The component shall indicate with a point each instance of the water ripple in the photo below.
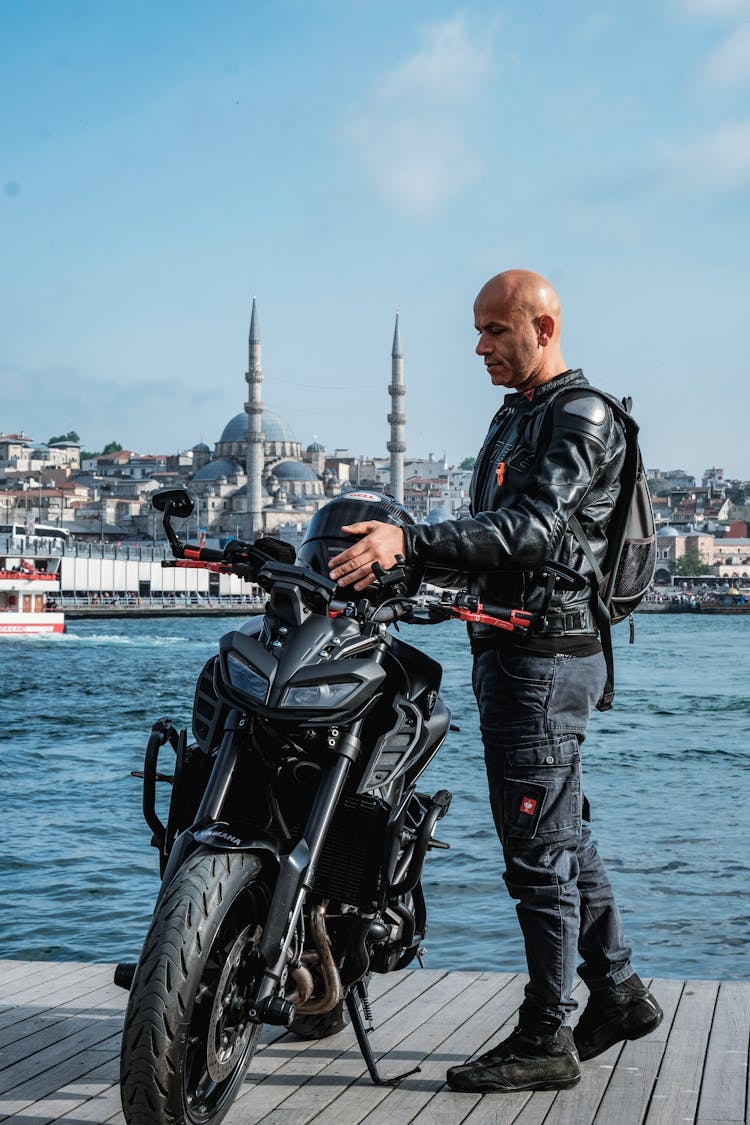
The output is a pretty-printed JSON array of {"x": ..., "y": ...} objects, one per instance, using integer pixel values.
[{"x": 665, "y": 771}]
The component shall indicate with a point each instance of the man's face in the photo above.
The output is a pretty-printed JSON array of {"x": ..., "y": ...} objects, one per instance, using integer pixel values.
[{"x": 508, "y": 340}]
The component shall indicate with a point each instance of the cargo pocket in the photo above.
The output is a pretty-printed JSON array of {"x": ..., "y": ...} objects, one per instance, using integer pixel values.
[
  {"x": 524, "y": 805},
  {"x": 542, "y": 792}
]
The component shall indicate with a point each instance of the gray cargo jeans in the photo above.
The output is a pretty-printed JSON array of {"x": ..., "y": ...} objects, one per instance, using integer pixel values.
[{"x": 533, "y": 712}]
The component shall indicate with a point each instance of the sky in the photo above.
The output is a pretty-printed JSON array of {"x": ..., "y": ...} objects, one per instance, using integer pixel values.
[{"x": 344, "y": 159}]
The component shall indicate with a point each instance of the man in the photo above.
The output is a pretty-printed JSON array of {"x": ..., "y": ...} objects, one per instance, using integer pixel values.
[{"x": 553, "y": 449}]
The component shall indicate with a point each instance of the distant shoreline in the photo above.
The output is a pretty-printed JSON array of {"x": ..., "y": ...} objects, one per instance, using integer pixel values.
[
  {"x": 103, "y": 612},
  {"x": 74, "y": 613}
]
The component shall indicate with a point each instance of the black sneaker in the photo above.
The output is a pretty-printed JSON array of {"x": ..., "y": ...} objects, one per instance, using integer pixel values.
[
  {"x": 526, "y": 1060},
  {"x": 624, "y": 1011}
]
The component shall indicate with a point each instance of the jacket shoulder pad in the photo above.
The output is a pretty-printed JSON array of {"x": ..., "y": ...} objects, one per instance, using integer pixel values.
[{"x": 585, "y": 406}]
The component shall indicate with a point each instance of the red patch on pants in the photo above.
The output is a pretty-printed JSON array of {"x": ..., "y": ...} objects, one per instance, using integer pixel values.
[{"x": 528, "y": 804}]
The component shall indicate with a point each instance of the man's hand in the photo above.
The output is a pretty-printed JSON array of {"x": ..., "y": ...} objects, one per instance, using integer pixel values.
[{"x": 381, "y": 543}]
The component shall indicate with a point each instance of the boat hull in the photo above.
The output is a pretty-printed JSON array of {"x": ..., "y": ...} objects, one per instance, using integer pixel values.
[{"x": 19, "y": 624}]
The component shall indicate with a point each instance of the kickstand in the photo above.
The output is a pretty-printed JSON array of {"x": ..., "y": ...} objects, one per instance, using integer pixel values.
[{"x": 353, "y": 997}]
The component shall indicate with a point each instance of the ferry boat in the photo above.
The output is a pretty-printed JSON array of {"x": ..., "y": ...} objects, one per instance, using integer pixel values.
[{"x": 27, "y": 596}]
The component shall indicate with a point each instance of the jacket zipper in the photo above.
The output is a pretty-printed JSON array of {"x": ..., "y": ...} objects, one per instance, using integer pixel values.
[{"x": 499, "y": 451}]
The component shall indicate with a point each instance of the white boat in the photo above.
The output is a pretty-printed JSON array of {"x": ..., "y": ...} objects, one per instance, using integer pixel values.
[{"x": 27, "y": 596}]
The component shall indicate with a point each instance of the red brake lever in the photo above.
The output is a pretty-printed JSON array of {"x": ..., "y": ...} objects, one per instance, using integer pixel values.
[{"x": 519, "y": 620}]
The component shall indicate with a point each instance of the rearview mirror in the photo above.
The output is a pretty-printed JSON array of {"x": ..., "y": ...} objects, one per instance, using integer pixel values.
[{"x": 181, "y": 502}]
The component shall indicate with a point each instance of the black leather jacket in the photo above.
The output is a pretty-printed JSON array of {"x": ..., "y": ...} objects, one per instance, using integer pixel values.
[{"x": 562, "y": 453}]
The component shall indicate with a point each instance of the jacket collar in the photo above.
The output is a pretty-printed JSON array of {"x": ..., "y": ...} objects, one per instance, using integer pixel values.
[{"x": 572, "y": 378}]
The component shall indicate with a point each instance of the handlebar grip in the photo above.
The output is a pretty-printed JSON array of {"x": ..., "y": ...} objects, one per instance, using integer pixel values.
[
  {"x": 203, "y": 554},
  {"x": 501, "y": 611},
  {"x": 392, "y": 611}
]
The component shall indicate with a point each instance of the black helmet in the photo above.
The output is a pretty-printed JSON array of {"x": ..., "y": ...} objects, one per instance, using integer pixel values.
[{"x": 324, "y": 537}]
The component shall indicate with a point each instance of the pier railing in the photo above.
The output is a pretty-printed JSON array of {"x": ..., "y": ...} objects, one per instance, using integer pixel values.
[{"x": 157, "y": 599}]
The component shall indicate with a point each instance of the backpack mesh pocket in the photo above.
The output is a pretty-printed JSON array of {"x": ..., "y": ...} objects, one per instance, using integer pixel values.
[{"x": 634, "y": 574}]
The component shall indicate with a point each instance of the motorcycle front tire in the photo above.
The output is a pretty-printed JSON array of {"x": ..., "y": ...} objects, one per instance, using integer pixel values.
[{"x": 188, "y": 1041}]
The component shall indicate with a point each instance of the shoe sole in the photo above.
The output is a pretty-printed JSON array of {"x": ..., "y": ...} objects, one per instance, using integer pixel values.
[
  {"x": 609, "y": 1036},
  {"x": 489, "y": 1087}
]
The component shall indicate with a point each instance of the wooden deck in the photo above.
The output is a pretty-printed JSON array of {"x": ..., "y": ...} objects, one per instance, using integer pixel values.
[{"x": 60, "y": 1030}]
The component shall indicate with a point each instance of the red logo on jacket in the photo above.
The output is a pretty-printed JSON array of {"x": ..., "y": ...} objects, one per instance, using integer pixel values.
[{"x": 528, "y": 804}]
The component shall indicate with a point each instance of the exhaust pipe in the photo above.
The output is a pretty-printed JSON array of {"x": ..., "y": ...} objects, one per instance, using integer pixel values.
[{"x": 333, "y": 991}]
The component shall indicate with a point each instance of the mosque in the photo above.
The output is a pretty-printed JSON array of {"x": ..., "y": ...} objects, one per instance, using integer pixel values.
[{"x": 259, "y": 479}]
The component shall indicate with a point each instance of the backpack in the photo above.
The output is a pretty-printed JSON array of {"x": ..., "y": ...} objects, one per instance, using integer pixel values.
[{"x": 627, "y": 570}]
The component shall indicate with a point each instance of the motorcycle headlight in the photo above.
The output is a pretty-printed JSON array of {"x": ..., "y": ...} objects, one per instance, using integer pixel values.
[
  {"x": 326, "y": 696},
  {"x": 245, "y": 679}
]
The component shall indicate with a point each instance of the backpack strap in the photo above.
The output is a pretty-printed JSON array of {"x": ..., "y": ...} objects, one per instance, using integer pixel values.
[
  {"x": 601, "y": 614},
  {"x": 601, "y": 585}
]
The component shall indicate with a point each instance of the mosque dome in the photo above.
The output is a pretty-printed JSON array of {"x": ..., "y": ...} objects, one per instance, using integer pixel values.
[
  {"x": 668, "y": 531},
  {"x": 216, "y": 470},
  {"x": 315, "y": 447},
  {"x": 201, "y": 447},
  {"x": 273, "y": 426},
  {"x": 293, "y": 470}
]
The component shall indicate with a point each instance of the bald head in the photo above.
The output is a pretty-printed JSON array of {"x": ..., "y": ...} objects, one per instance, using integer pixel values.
[
  {"x": 525, "y": 290},
  {"x": 517, "y": 315}
]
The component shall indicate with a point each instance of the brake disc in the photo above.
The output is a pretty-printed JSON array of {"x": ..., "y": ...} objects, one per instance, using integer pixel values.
[{"x": 229, "y": 1028}]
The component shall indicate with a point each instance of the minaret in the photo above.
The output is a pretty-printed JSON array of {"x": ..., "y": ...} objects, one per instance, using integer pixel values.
[
  {"x": 254, "y": 410},
  {"x": 397, "y": 420}
]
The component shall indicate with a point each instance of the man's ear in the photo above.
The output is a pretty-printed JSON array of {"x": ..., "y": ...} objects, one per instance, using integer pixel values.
[{"x": 545, "y": 330}]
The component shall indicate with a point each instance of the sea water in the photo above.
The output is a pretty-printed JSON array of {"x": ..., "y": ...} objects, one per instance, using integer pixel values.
[{"x": 665, "y": 771}]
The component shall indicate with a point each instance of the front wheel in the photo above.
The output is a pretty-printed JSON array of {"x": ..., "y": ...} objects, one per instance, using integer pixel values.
[{"x": 188, "y": 1040}]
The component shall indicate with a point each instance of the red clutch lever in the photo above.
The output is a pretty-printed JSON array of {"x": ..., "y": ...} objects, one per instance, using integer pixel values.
[{"x": 518, "y": 620}]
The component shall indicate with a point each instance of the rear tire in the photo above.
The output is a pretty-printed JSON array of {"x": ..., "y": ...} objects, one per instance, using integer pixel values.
[{"x": 187, "y": 1041}]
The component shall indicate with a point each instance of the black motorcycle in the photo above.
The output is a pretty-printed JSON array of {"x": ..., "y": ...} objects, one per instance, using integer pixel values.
[{"x": 292, "y": 854}]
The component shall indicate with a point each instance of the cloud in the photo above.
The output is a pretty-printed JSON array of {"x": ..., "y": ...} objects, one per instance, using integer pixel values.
[
  {"x": 410, "y": 132},
  {"x": 718, "y": 159},
  {"x": 729, "y": 64}
]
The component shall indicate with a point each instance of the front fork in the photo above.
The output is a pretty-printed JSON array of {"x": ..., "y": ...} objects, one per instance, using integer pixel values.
[
  {"x": 296, "y": 869},
  {"x": 296, "y": 877}
]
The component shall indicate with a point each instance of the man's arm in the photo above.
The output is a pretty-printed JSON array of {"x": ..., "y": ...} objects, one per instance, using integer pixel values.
[{"x": 519, "y": 536}]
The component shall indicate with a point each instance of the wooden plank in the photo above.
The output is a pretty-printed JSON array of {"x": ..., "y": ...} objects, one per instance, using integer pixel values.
[
  {"x": 313, "y": 1101},
  {"x": 479, "y": 1015},
  {"x": 46, "y": 994},
  {"x": 62, "y": 1062},
  {"x": 631, "y": 1083},
  {"x": 393, "y": 991},
  {"x": 33, "y": 972},
  {"x": 93, "y": 1098},
  {"x": 271, "y": 1085},
  {"x": 97, "y": 1097},
  {"x": 450, "y": 1108},
  {"x": 37, "y": 1035},
  {"x": 10, "y": 971},
  {"x": 723, "y": 1091},
  {"x": 85, "y": 1033},
  {"x": 336, "y": 1062},
  {"x": 27, "y": 1026},
  {"x": 89, "y": 1057},
  {"x": 675, "y": 1096}
]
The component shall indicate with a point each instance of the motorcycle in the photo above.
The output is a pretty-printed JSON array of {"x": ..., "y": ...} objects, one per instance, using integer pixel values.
[{"x": 292, "y": 854}]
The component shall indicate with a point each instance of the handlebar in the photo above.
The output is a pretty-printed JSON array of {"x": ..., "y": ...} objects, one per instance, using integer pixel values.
[
  {"x": 271, "y": 562},
  {"x": 202, "y": 554},
  {"x": 432, "y": 610}
]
